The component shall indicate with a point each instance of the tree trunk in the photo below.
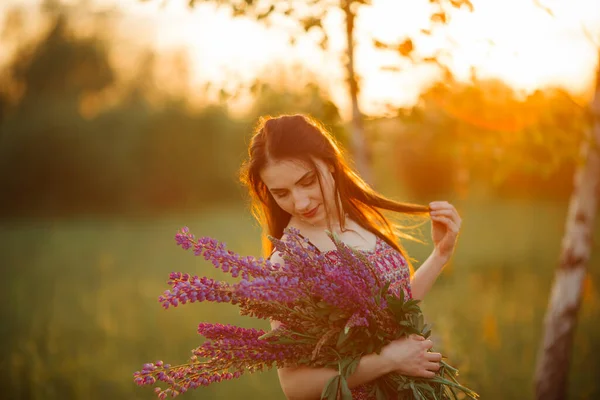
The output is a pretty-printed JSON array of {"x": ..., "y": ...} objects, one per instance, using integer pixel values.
[
  {"x": 359, "y": 144},
  {"x": 555, "y": 353}
]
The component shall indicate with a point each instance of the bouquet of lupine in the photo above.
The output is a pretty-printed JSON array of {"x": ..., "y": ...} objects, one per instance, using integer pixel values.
[{"x": 331, "y": 314}]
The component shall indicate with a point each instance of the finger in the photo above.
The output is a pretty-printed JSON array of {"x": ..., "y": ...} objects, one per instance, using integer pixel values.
[
  {"x": 434, "y": 357},
  {"x": 445, "y": 206},
  {"x": 447, "y": 213},
  {"x": 428, "y": 374},
  {"x": 451, "y": 213},
  {"x": 446, "y": 221},
  {"x": 416, "y": 337},
  {"x": 455, "y": 215},
  {"x": 433, "y": 366},
  {"x": 428, "y": 344},
  {"x": 438, "y": 205},
  {"x": 451, "y": 225},
  {"x": 435, "y": 205}
]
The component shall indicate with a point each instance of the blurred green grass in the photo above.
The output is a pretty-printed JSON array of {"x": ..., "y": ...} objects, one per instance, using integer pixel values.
[{"x": 81, "y": 314}]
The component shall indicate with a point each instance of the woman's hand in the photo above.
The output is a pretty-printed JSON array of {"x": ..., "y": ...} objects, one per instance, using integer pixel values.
[
  {"x": 445, "y": 226},
  {"x": 410, "y": 356}
]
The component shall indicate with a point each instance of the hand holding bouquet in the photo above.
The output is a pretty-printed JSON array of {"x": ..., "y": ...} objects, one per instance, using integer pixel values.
[{"x": 331, "y": 314}]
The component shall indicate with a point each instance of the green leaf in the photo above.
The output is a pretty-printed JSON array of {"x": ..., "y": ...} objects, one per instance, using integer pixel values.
[
  {"x": 342, "y": 338},
  {"x": 348, "y": 366},
  {"x": 449, "y": 367},
  {"x": 386, "y": 287},
  {"x": 331, "y": 388},
  {"x": 426, "y": 332},
  {"x": 337, "y": 315},
  {"x": 395, "y": 305},
  {"x": 428, "y": 388},
  {"x": 415, "y": 391},
  {"x": 411, "y": 303},
  {"x": 346, "y": 393}
]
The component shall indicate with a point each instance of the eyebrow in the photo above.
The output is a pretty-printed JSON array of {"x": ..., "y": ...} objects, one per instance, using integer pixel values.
[{"x": 297, "y": 182}]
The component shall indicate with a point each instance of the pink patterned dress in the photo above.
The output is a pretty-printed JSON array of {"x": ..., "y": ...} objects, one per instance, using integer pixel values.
[
  {"x": 391, "y": 264},
  {"x": 393, "y": 267}
]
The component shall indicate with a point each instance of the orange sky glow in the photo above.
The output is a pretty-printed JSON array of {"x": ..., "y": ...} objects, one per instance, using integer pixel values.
[{"x": 513, "y": 40}]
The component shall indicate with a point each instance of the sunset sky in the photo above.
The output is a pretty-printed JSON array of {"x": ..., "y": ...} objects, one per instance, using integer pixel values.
[{"x": 510, "y": 39}]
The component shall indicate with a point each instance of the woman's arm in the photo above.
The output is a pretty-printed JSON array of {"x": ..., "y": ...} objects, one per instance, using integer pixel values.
[
  {"x": 426, "y": 275},
  {"x": 305, "y": 383},
  {"x": 445, "y": 225},
  {"x": 408, "y": 356}
]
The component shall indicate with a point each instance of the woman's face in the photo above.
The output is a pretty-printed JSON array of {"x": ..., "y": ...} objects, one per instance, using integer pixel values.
[{"x": 295, "y": 187}]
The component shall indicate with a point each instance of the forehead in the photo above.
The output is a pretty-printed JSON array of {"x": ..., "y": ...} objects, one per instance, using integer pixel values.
[{"x": 284, "y": 173}]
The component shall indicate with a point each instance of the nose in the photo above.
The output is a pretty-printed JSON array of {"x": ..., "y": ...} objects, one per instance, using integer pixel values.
[{"x": 301, "y": 202}]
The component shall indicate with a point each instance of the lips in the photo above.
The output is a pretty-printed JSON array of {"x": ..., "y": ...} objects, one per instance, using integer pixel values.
[{"x": 311, "y": 213}]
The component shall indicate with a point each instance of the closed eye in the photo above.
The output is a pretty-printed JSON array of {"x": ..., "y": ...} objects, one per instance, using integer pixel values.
[
  {"x": 311, "y": 181},
  {"x": 307, "y": 180}
]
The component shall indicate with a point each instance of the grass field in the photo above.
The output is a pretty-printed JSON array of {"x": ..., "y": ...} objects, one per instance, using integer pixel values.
[{"x": 80, "y": 311}]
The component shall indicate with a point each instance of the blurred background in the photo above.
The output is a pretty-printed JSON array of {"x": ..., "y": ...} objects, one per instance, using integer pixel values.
[{"x": 122, "y": 121}]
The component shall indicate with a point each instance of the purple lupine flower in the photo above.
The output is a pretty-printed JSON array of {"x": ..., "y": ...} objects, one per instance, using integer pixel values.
[
  {"x": 230, "y": 351},
  {"x": 357, "y": 319},
  {"x": 184, "y": 238},
  {"x": 321, "y": 277},
  {"x": 226, "y": 260},
  {"x": 314, "y": 297},
  {"x": 235, "y": 343},
  {"x": 366, "y": 280},
  {"x": 271, "y": 288},
  {"x": 307, "y": 272},
  {"x": 191, "y": 289}
]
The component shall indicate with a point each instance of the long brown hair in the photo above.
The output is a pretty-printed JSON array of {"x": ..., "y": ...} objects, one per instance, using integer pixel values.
[{"x": 301, "y": 137}]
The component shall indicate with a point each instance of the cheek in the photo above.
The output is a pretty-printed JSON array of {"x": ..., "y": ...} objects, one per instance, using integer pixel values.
[{"x": 315, "y": 193}]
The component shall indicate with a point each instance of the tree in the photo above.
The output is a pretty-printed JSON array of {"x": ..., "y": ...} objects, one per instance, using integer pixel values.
[
  {"x": 309, "y": 15},
  {"x": 554, "y": 354},
  {"x": 565, "y": 298}
]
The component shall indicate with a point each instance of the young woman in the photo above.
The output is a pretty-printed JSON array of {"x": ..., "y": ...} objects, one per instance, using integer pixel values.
[{"x": 297, "y": 177}]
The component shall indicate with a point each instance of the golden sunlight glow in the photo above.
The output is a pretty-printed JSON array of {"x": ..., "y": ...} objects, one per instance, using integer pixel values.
[{"x": 513, "y": 40}]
